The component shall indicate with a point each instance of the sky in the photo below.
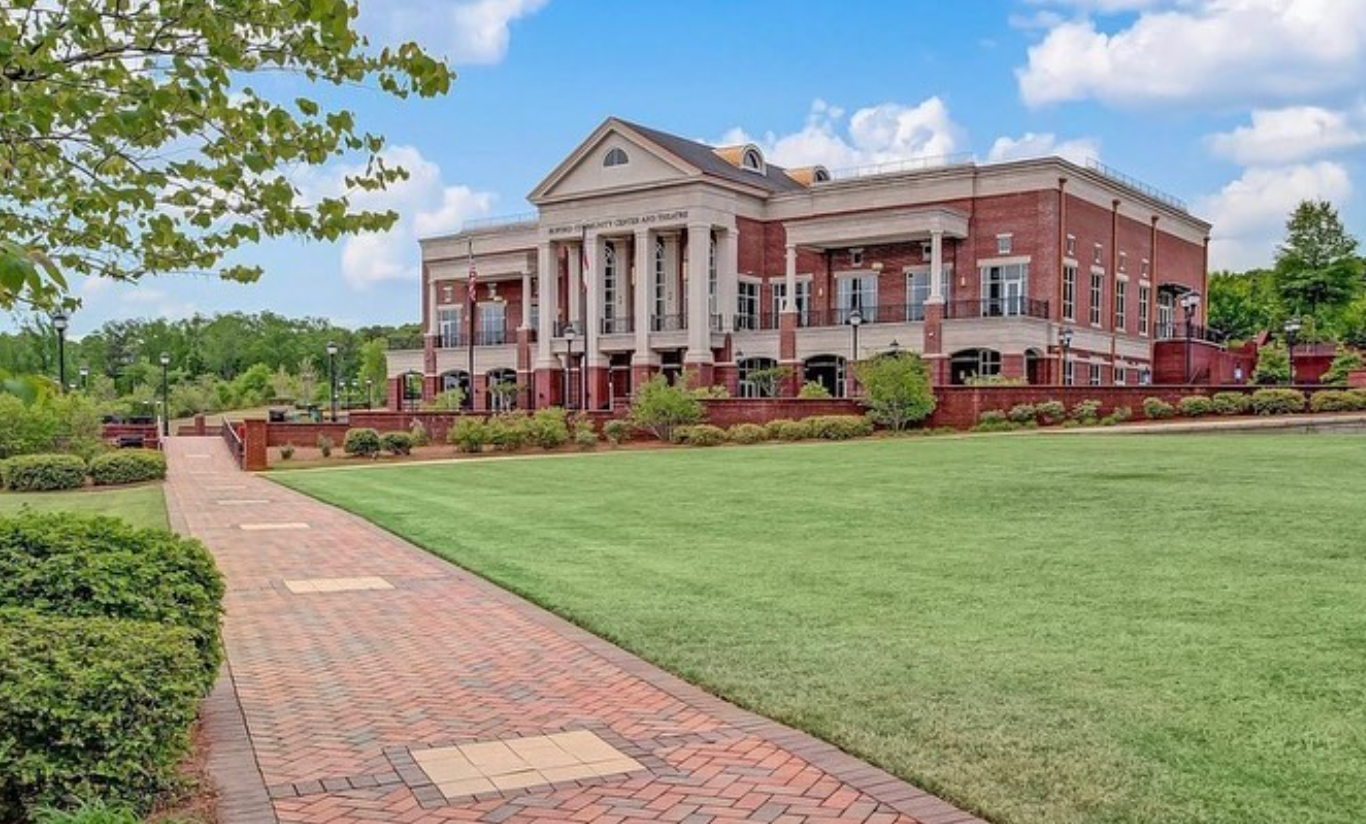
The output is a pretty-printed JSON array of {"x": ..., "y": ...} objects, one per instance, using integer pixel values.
[{"x": 1240, "y": 107}]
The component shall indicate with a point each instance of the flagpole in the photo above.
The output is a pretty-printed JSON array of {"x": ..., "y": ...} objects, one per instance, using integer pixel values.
[
  {"x": 583, "y": 318},
  {"x": 470, "y": 298}
]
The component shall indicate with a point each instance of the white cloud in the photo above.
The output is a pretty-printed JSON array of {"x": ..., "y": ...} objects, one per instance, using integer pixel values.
[
  {"x": 1031, "y": 144},
  {"x": 1249, "y": 213},
  {"x": 467, "y": 32},
  {"x": 125, "y": 299},
  {"x": 424, "y": 203},
  {"x": 1292, "y": 134},
  {"x": 1240, "y": 52},
  {"x": 884, "y": 133}
]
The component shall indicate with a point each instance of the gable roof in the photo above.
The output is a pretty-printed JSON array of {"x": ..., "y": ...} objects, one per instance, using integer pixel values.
[{"x": 704, "y": 157}]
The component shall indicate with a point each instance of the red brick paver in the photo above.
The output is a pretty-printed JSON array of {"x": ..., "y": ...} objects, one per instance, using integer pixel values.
[{"x": 338, "y": 689}]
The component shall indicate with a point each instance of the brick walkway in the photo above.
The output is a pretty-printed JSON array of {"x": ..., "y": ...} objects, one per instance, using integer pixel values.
[{"x": 343, "y": 685}]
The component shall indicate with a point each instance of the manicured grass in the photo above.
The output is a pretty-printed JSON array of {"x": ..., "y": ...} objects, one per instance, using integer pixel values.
[
  {"x": 142, "y": 506},
  {"x": 1041, "y": 629}
]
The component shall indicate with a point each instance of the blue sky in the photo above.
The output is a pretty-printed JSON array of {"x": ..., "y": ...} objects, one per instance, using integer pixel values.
[{"x": 1241, "y": 107}]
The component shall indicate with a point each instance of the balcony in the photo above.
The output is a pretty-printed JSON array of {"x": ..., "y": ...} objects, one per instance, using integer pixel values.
[
  {"x": 1177, "y": 331},
  {"x": 618, "y": 326},
  {"x": 1016, "y": 307},
  {"x": 668, "y": 323}
]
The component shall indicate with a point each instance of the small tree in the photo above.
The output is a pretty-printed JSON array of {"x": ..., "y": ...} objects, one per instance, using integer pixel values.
[
  {"x": 1273, "y": 366},
  {"x": 659, "y": 407},
  {"x": 452, "y": 400},
  {"x": 1345, "y": 361},
  {"x": 813, "y": 390},
  {"x": 767, "y": 382},
  {"x": 896, "y": 389}
]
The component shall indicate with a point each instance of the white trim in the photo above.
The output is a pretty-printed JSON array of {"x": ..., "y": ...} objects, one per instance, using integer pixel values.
[
  {"x": 1097, "y": 270},
  {"x": 1004, "y": 261}
]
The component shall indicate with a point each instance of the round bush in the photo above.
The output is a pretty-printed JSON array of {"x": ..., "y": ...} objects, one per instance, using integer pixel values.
[
  {"x": 127, "y": 466},
  {"x": 363, "y": 442},
  {"x": 1023, "y": 412},
  {"x": 1086, "y": 412},
  {"x": 616, "y": 431},
  {"x": 585, "y": 436},
  {"x": 1277, "y": 401},
  {"x": 702, "y": 434},
  {"x": 1231, "y": 403},
  {"x": 1051, "y": 412},
  {"x": 1156, "y": 409},
  {"x": 994, "y": 420},
  {"x": 548, "y": 428},
  {"x": 396, "y": 443},
  {"x": 788, "y": 430},
  {"x": 469, "y": 434},
  {"x": 839, "y": 427},
  {"x": 747, "y": 433},
  {"x": 1195, "y": 406},
  {"x": 507, "y": 433},
  {"x": 44, "y": 473}
]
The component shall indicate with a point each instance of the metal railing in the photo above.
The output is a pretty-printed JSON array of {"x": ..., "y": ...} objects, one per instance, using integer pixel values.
[
  {"x": 235, "y": 445},
  {"x": 754, "y": 323},
  {"x": 1017, "y": 307},
  {"x": 618, "y": 326},
  {"x": 498, "y": 221},
  {"x": 493, "y": 337},
  {"x": 1177, "y": 331},
  {"x": 911, "y": 165},
  {"x": 1135, "y": 184},
  {"x": 406, "y": 342},
  {"x": 668, "y": 323}
]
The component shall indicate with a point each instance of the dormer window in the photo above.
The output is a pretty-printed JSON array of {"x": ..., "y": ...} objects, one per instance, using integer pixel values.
[
  {"x": 821, "y": 175},
  {"x": 615, "y": 157},
  {"x": 752, "y": 160}
]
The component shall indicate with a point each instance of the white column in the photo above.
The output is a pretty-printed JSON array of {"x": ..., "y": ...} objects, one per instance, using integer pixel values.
[
  {"x": 728, "y": 260},
  {"x": 643, "y": 294},
  {"x": 936, "y": 267},
  {"x": 593, "y": 302},
  {"x": 699, "y": 322},
  {"x": 790, "y": 299},
  {"x": 432, "y": 327},
  {"x": 548, "y": 283},
  {"x": 575, "y": 284},
  {"x": 526, "y": 300}
]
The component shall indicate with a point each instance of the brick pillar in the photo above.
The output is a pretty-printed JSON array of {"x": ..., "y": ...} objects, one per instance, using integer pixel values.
[
  {"x": 393, "y": 398},
  {"x": 255, "y": 457},
  {"x": 525, "y": 390},
  {"x": 199, "y": 425},
  {"x": 700, "y": 375},
  {"x": 729, "y": 377},
  {"x": 932, "y": 347},
  {"x": 641, "y": 374},
  {"x": 787, "y": 353},
  {"x": 1013, "y": 366},
  {"x": 546, "y": 384},
  {"x": 430, "y": 387}
]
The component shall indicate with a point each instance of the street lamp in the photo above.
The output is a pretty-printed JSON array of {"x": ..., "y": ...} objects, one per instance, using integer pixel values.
[
  {"x": 1065, "y": 340},
  {"x": 895, "y": 349},
  {"x": 1292, "y": 330},
  {"x": 165, "y": 403},
  {"x": 1189, "y": 302},
  {"x": 85, "y": 377},
  {"x": 59, "y": 322},
  {"x": 855, "y": 321},
  {"x": 568, "y": 361},
  {"x": 369, "y": 392},
  {"x": 332, "y": 377}
]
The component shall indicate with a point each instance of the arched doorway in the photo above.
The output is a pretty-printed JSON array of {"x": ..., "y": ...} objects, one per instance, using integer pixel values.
[
  {"x": 1035, "y": 367},
  {"x": 458, "y": 379},
  {"x": 969, "y": 363},
  {"x": 758, "y": 378},
  {"x": 501, "y": 390},
  {"x": 828, "y": 371}
]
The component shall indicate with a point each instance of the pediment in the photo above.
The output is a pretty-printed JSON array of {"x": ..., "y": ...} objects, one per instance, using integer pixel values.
[{"x": 586, "y": 172}]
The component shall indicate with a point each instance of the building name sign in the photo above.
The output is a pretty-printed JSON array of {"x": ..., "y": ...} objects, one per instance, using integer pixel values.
[{"x": 629, "y": 221}]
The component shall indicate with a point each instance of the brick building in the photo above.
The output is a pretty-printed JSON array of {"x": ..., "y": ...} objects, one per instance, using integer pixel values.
[{"x": 649, "y": 252}]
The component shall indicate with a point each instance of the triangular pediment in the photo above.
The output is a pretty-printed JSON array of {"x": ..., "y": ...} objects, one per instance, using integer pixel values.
[{"x": 587, "y": 170}]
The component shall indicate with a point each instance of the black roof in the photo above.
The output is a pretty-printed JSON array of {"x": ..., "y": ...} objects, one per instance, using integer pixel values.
[{"x": 704, "y": 157}]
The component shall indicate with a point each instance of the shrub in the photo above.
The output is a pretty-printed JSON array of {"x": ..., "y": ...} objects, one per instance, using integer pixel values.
[
  {"x": 1335, "y": 400},
  {"x": 1273, "y": 366},
  {"x": 702, "y": 434},
  {"x": 396, "y": 443},
  {"x": 1023, "y": 413},
  {"x": 1086, "y": 412},
  {"x": 287, "y": 452},
  {"x": 362, "y": 441},
  {"x": 419, "y": 434},
  {"x": 1345, "y": 361},
  {"x": 658, "y": 407},
  {"x": 1051, "y": 412},
  {"x": 127, "y": 466},
  {"x": 813, "y": 389},
  {"x": 62, "y": 565},
  {"x": 507, "y": 432},
  {"x": 747, "y": 433},
  {"x": 89, "y": 812},
  {"x": 1277, "y": 401},
  {"x": 451, "y": 400},
  {"x": 1120, "y": 414},
  {"x": 469, "y": 434},
  {"x": 616, "y": 432},
  {"x": 1195, "y": 406},
  {"x": 1231, "y": 403},
  {"x": 548, "y": 429},
  {"x": 994, "y": 420},
  {"x": 896, "y": 390},
  {"x": 788, "y": 430},
  {"x": 92, "y": 707},
  {"x": 44, "y": 473},
  {"x": 585, "y": 436},
  {"x": 993, "y": 380},
  {"x": 839, "y": 427},
  {"x": 325, "y": 445},
  {"x": 1156, "y": 409}
]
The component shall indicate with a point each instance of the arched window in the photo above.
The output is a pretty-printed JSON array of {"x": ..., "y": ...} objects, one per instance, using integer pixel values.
[
  {"x": 759, "y": 378},
  {"x": 615, "y": 157},
  {"x": 711, "y": 275},
  {"x": 610, "y": 287},
  {"x": 822, "y": 175},
  {"x": 752, "y": 160}
]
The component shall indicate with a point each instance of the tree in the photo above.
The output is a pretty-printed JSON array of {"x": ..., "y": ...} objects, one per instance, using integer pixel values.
[
  {"x": 133, "y": 142},
  {"x": 659, "y": 407},
  {"x": 374, "y": 363},
  {"x": 1317, "y": 271},
  {"x": 1273, "y": 366},
  {"x": 769, "y": 380},
  {"x": 1345, "y": 361},
  {"x": 1241, "y": 304},
  {"x": 896, "y": 389}
]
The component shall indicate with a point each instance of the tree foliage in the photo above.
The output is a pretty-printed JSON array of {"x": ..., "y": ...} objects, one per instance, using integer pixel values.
[
  {"x": 1318, "y": 274},
  {"x": 133, "y": 141},
  {"x": 1241, "y": 304},
  {"x": 896, "y": 389},
  {"x": 660, "y": 407}
]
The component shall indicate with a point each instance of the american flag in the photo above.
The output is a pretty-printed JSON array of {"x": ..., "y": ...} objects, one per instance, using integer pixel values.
[
  {"x": 584, "y": 259},
  {"x": 474, "y": 278}
]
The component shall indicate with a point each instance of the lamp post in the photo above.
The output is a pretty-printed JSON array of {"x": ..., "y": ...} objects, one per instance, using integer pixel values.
[
  {"x": 165, "y": 395},
  {"x": 1292, "y": 330},
  {"x": 1065, "y": 340},
  {"x": 59, "y": 322},
  {"x": 85, "y": 378},
  {"x": 569, "y": 333},
  {"x": 895, "y": 348},
  {"x": 1189, "y": 302},
  {"x": 332, "y": 377},
  {"x": 369, "y": 392},
  {"x": 855, "y": 321}
]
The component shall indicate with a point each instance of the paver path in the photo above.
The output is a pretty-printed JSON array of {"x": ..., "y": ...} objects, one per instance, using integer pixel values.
[{"x": 353, "y": 654}]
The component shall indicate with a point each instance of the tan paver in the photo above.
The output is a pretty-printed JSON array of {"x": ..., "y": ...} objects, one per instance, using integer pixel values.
[{"x": 443, "y": 698}]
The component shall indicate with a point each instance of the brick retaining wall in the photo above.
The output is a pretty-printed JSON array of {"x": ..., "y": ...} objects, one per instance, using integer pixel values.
[{"x": 961, "y": 406}]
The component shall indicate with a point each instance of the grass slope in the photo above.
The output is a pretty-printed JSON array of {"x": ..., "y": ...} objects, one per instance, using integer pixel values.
[
  {"x": 141, "y": 506},
  {"x": 1042, "y": 629}
]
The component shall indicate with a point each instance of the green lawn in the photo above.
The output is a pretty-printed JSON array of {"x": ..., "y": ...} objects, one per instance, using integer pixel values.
[
  {"x": 1042, "y": 629},
  {"x": 142, "y": 506}
]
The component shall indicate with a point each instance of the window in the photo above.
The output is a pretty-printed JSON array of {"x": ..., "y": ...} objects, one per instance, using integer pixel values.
[
  {"x": 1003, "y": 244},
  {"x": 1143, "y": 267},
  {"x": 855, "y": 257},
  {"x": 711, "y": 275},
  {"x": 615, "y": 157},
  {"x": 918, "y": 291},
  {"x": 535, "y": 315},
  {"x": 757, "y": 378},
  {"x": 1072, "y": 246},
  {"x": 493, "y": 323},
  {"x": 1123, "y": 262},
  {"x": 1144, "y": 293},
  {"x": 1166, "y": 315},
  {"x": 1121, "y": 296},
  {"x": 856, "y": 293},
  {"x": 988, "y": 362},
  {"x": 747, "y": 305},
  {"x": 611, "y": 285},
  {"x": 448, "y": 326},
  {"x": 1093, "y": 376},
  {"x": 1068, "y": 373},
  {"x": 1004, "y": 289},
  {"x": 1097, "y": 294},
  {"x": 1096, "y": 256},
  {"x": 447, "y": 292},
  {"x": 1069, "y": 292},
  {"x": 660, "y": 288},
  {"x": 803, "y": 298},
  {"x": 1121, "y": 376},
  {"x": 752, "y": 161}
]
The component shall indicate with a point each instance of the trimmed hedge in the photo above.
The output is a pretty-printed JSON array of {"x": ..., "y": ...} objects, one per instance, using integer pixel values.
[
  {"x": 1232, "y": 403},
  {"x": 128, "y": 466},
  {"x": 1023, "y": 413},
  {"x": 839, "y": 427},
  {"x": 701, "y": 434},
  {"x": 548, "y": 428},
  {"x": 1338, "y": 400},
  {"x": 92, "y": 707},
  {"x": 469, "y": 434},
  {"x": 363, "y": 442},
  {"x": 1156, "y": 409},
  {"x": 788, "y": 430},
  {"x": 1051, "y": 412},
  {"x": 1196, "y": 406},
  {"x": 747, "y": 433},
  {"x": 1086, "y": 412},
  {"x": 44, "y": 473},
  {"x": 506, "y": 433},
  {"x": 1277, "y": 401},
  {"x": 396, "y": 443}
]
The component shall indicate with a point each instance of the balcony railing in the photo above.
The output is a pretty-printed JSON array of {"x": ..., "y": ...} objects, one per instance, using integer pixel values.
[
  {"x": 668, "y": 323},
  {"x": 1016, "y": 307},
  {"x": 618, "y": 326},
  {"x": 1177, "y": 331},
  {"x": 493, "y": 337},
  {"x": 403, "y": 342}
]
